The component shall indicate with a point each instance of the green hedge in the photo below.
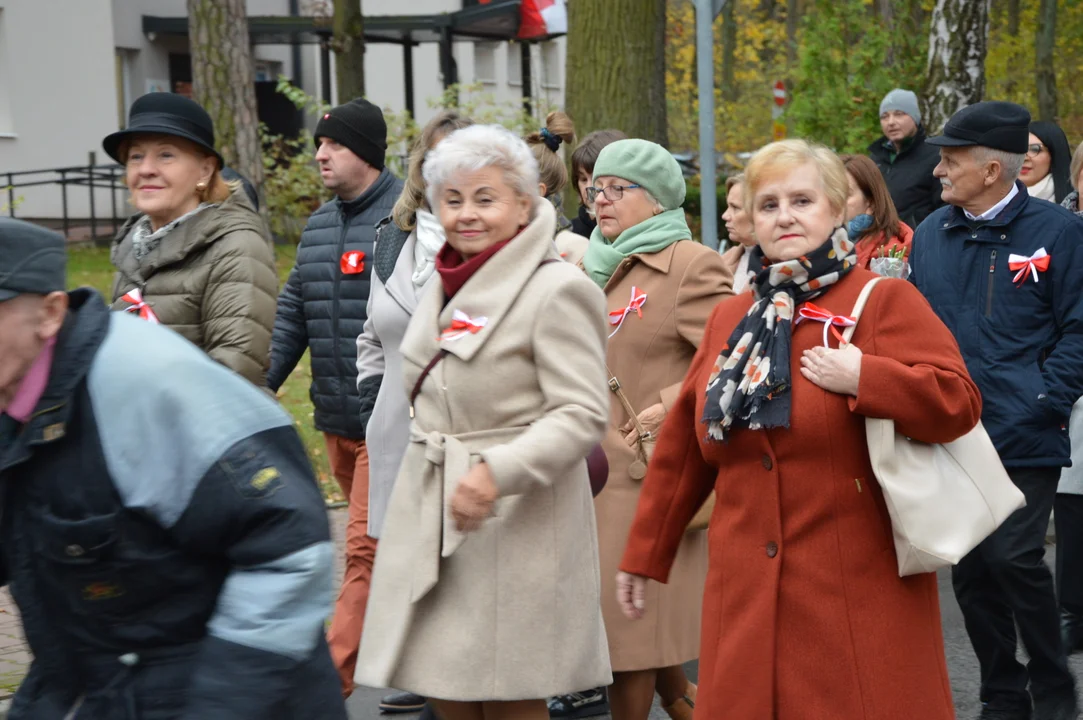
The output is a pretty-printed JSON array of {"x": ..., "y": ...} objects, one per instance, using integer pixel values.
[{"x": 693, "y": 207}]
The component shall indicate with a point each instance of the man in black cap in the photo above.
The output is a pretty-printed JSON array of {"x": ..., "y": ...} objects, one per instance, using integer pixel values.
[
  {"x": 163, "y": 534},
  {"x": 322, "y": 309},
  {"x": 1005, "y": 273}
]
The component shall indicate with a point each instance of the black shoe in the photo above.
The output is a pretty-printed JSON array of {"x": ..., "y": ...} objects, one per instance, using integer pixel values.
[
  {"x": 1064, "y": 708},
  {"x": 401, "y": 702},
  {"x": 1005, "y": 711},
  {"x": 588, "y": 703},
  {"x": 1071, "y": 631}
]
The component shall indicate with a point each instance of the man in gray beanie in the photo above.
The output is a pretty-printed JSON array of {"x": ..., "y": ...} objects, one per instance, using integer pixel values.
[{"x": 904, "y": 159}]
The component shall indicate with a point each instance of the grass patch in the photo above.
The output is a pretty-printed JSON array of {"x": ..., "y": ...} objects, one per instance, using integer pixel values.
[{"x": 90, "y": 266}]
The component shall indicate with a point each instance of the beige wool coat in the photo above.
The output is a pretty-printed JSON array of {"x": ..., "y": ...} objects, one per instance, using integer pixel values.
[
  {"x": 512, "y": 610},
  {"x": 650, "y": 355}
]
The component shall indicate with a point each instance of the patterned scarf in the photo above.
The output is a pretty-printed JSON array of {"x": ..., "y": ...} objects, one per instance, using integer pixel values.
[
  {"x": 145, "y": 239},
  {"x": 750, "y": 384},
  {"x": 563, "y": 223}
]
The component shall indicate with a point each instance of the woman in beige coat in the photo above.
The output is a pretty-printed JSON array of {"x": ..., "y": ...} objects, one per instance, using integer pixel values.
[
  {"x": 485, "y": 596},
  {"x": 660, "y": 288}
]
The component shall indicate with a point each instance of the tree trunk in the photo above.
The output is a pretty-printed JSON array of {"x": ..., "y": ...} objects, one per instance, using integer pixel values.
[
  {"x": 223, "y": 81},
  {"x": 729, "y": 50},
  {"x": 885, "y": 11},
  {"x": 793, "y": 24},
  {"x": 348, "y": 43},
  {"x": 616, "y": 76},
  {"x": 958, "y": 36},
  {"x": 1013, "y": 18},
  {"x": 1046, "y": 39}
]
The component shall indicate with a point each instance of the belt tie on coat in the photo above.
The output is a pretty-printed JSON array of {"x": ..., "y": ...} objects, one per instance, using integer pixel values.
[{"x": 447, "y": 459}]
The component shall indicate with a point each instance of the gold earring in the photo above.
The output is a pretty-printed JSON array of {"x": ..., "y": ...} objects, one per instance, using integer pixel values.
[{"x": 201, "y": 186}]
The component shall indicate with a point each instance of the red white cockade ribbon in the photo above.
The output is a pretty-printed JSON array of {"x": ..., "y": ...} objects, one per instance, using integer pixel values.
[
  {"x": 139, "y": 306},
  {"x": 811, "y": 311},
  {"x": 635, "y": 305},
  {"x": 1028, "y": 265},
  {"x": 462, "y": 325}
]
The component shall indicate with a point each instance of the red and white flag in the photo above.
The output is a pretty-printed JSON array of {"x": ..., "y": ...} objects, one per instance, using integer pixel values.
[{"x": 542, "y": 18}]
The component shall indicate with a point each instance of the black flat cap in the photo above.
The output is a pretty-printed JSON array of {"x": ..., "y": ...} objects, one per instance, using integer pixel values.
[
  {"x": 992, "y": 124},
  {"x": 32, "y": 259},
  {"x": 163, "y": 113}
]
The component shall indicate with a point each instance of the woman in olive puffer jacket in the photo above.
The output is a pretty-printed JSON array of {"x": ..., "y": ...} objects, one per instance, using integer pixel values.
[{"x": 196, "y": 258}]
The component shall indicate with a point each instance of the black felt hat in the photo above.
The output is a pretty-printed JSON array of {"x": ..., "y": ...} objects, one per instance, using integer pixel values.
[
  {"x": 163, "y": 113},
  {"x": 992, "y": 124}
]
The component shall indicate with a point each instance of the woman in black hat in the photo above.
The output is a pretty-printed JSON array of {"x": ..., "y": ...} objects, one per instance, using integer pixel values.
[
  {"x": 1046, "y": 169},
  {"x": 196, "y": 256}
]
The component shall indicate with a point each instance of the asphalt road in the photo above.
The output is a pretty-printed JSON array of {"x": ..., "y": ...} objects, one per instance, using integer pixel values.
[{"x": 962, "y": 664}]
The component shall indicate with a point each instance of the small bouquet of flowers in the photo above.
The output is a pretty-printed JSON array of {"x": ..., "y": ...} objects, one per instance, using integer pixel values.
[{"x": 891, "y": 262}]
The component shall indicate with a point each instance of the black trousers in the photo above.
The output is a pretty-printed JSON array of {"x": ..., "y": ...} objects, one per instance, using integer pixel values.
[
  {"x": 1068, "y": 516},
  {"x": 1005, "y": 582}
]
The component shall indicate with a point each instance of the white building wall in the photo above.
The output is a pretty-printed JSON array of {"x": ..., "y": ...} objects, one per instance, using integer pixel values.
[{"x": 58, "y": 82}]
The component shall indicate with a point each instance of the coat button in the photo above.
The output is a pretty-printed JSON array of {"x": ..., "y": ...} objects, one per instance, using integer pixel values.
[
  {"x": 767, "y": 464},
  {"x": 74, "y": 550},
  {"x": 772, "y": 549},
  {"x": 974, "y": 235}
]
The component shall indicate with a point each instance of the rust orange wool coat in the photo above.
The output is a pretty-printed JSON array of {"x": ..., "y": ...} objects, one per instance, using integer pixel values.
[{"x": 804, "y": 614}]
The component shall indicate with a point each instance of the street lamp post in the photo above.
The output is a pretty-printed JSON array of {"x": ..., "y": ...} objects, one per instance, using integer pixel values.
[{"x": 706, "y": 11}]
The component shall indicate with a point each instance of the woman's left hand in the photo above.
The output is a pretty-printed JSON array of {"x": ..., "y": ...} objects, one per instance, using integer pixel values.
[
  {"x": 473, "y": 500},
  {"x": 837, "y": 371},
  {"x": 651, "y": 419}
]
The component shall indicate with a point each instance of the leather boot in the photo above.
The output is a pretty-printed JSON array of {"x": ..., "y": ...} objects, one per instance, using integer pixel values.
[
  {"x": 682, "y": 709},
  {"x": 1071, "y": 631}
]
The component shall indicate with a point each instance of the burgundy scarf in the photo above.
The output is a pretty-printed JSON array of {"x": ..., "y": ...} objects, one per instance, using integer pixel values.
[{"x": 455, "y": 271}]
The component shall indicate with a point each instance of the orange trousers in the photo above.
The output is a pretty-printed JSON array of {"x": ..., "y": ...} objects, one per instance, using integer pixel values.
[{"x": 350, "y": 466}]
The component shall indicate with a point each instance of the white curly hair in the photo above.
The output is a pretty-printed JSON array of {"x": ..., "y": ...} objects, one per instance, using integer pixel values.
[{"x": 477, "y": 147}]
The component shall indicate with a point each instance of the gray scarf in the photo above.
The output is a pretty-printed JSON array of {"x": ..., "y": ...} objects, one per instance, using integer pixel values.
[{"x": 145, "y": 240}]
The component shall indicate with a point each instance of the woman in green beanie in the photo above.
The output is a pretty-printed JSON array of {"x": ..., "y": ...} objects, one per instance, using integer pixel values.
[{"x": 660, "y": 288}]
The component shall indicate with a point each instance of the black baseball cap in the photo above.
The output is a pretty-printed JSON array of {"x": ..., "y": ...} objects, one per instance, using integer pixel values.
[
  {"x": 993, "y": 124},
  {"x": 162, "y": 113},
  {"x": 33, "y": 259}
]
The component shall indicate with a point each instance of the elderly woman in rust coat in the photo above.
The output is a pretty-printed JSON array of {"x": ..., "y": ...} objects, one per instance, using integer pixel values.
[
  {"x": 804, "y": 614},
  {"x": 660, "y": 287}
]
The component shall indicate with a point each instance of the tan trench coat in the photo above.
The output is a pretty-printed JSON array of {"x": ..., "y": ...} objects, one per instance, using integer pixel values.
[
  {"x": 512, "y": 611},
  {"x": 650, "y": 355}
]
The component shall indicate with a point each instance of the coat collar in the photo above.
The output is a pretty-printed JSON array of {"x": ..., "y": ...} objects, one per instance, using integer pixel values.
[
  {"x": 957, "y": 218},
  {"x": 349, "y": 208},
  {"x": 489, "y": 294},
  {"x": 400, "y": 284},
  {"x": 660, "y": 261},
  {"x": 196, "y": 233},
  {"x": 82, "y": 334}
]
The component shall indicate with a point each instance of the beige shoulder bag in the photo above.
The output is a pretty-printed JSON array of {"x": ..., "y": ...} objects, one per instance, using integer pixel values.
[
  {"x": 943, "y": 499},
  {"x": 645, "y": 448}
]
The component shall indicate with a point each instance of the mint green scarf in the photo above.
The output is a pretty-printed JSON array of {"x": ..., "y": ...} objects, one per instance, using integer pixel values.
[{"x": 650, "y": 236}]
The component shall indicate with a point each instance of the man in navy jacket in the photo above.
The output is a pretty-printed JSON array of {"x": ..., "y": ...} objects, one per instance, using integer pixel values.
[
  {"x": 162, "y": 532},
  {"x": 1004, "y": 271}
]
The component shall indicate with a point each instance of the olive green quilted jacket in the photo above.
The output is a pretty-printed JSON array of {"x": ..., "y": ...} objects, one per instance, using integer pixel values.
[{"x": 212, "y": 279}]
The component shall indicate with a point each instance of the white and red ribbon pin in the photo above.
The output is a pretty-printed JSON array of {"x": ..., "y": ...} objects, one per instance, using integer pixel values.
[
  {"x": 462, "y": 325},
  {"x": 1038, "y": 262},
  {"x": 811, "y": 311},
  {"x": 352, "y": 262},
  {"x": 635, "y": 305},
  {"x": 139, "y": 306}
]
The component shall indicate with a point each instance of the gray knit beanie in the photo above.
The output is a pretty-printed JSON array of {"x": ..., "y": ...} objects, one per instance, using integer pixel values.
[{"x": 904, "y": 100}]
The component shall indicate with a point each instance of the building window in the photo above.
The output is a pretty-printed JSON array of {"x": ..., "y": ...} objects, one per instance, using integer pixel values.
[
  {"x": 515, "y": 64},
  {"x": 7, "y": 119},
  {"x": 485, "y": 62},
  {"x": 550, "y": 70}
]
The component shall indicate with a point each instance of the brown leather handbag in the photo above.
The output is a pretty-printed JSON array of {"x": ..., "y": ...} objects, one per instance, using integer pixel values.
[{"x": 645, "y": 448}]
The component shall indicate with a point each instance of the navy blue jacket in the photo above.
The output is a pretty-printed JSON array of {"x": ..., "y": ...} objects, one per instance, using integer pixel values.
[
  {"x": 323, "y": 310},
  {"x": 163, "y": 537},
  {"x": 1022, "y": 340}
]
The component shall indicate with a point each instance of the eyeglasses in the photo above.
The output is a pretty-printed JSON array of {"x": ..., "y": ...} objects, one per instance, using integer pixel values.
[
  {"x": 1035, "y": 150},
  {"x": 612, "y": 193}
]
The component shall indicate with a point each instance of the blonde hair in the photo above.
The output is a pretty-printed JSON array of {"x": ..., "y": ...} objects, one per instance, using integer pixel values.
[
  {"x": 734, "y": 180},
  {"x": 785, "y": 155},
  {"x": 404, "y": 214},
  {"x": 551, "y": 167}
]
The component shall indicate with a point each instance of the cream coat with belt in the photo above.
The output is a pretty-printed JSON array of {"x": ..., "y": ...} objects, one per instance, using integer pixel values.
[{"x": 511, "y": 611}]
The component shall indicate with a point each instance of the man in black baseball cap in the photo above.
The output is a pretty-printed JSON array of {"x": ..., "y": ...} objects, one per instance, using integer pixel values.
[
  {"x": 164, "y": 536},
  {"x": 1004, "y": 271},
  {"x": 32, "y": 305}
]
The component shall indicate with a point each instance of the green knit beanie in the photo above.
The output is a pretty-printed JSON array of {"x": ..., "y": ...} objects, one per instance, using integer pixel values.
[{"x": 646, "y": 164}]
